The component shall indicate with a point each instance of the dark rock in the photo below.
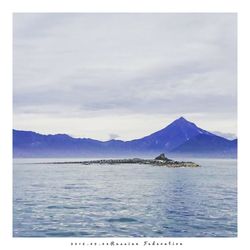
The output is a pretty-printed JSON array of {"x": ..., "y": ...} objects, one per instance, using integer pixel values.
[{"x": 162, "y": 157}]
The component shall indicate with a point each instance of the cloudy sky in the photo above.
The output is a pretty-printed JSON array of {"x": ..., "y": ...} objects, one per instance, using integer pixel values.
[{"x": 124, "y": 75}]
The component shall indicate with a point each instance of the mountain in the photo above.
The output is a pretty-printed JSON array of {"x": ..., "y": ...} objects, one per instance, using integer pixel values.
[
  {"x": 31, "y": 144},
  {"x": 179, "y": 137},
  {"x": 206, "y": 145},
  {"x": 169, "y": 137}
]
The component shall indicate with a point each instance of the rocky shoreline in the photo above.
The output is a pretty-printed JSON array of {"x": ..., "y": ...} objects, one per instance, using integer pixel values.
[{"x": 160, "y": 160}]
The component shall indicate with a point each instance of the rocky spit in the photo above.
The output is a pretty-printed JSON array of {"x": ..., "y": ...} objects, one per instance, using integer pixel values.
[{"x": 160, "y": 160}]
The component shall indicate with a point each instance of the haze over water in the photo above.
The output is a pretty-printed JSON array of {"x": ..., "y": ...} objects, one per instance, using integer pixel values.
[{"x": 125, "y": 200}]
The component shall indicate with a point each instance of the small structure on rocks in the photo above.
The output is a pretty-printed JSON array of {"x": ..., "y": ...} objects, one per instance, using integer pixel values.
[{"x": 162, "y": 157}]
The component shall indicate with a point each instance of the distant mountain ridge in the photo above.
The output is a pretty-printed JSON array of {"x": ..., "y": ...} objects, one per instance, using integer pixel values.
[{"x": 179, "y": 137}]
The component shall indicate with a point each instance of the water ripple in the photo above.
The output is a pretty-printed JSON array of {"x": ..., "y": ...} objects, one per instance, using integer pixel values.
[
  {"x": 125, "y": 201},
  {"x": 124, "y": 219}
]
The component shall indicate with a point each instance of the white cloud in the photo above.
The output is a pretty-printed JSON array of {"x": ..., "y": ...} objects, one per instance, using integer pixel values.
[{"x": 94, "y": 66}]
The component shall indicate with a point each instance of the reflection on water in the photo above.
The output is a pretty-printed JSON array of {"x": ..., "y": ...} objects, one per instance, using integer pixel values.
[{"x": 125, "y": 200}]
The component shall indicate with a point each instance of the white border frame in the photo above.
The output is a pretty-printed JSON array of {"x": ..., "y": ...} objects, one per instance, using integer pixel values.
[{"x": 6, "y": 11}]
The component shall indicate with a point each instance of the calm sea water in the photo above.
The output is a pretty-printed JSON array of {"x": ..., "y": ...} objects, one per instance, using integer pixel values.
[{"x": 124, "y": 200}]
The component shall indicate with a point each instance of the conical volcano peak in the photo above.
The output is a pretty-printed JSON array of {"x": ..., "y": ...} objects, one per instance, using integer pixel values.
[
  {"x": 186, "y": 127},
  {"x": 175, "y": 134},
  {"x": 181, "y": 120}
]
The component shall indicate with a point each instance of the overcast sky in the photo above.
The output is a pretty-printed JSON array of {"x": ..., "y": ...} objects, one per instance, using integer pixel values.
[{"x": 124, "y": 75}]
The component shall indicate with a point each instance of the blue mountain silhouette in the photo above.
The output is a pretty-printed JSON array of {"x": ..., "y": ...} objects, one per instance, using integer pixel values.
[{"x": 179, "y": 137}]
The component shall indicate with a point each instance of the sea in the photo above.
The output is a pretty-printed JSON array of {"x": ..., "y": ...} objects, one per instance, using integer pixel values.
[{"x": 74, "y": 200}]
